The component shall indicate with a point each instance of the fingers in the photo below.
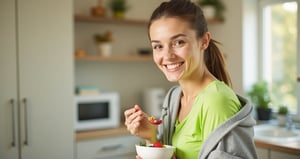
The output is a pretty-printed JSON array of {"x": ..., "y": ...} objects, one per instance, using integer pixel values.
[
  {"x": 134, "y": 126},
  {"x": 132, "y": 115},
  {"x": 138, "y": 157},
  {"x": 133, "y": 118},
  {"x": 129, "y": 112}
]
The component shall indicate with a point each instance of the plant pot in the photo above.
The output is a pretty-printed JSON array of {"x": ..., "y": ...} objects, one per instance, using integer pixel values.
[
  {"x": 105, "y": 49},
  {"x": 264, "y": 113},
  {"x": 281, "y": 119},
  {"x": 119, "y": 14}
]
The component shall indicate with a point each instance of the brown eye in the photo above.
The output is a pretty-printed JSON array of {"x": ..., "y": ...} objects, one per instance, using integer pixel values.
[
  {"x": 178, "y": 43},
  {"x": 157, "y": 47}
]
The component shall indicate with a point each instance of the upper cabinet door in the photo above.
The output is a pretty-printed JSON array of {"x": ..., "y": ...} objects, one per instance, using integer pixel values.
[
  {"x": 8, "y": 84},
  {"x": 45, "y": 42}
]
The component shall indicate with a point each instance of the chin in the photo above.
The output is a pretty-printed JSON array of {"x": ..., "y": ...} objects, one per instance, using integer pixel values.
[{"x": 172, "y": 79}]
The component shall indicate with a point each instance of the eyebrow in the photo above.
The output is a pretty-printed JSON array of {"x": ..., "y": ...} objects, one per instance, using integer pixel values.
[{"x": 173, "y": 37}]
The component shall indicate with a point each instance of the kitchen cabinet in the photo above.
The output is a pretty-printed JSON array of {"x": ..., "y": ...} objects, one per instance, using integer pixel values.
[
  {"x": 262, "y": 153},
  {"x": 114, "y": 147},
  {"x": 36, "y": 69},
  {"x": 282, "y": 155}
]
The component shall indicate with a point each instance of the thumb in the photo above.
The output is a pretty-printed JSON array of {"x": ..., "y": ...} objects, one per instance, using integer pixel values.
[{"x": 137, "y": 107}]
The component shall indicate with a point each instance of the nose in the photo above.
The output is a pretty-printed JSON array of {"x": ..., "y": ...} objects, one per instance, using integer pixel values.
[{"x": 169, "y": 52}]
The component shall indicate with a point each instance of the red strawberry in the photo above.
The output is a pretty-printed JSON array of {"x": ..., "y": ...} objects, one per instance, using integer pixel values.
[
  {"x": 154, "y": 121},
  {"x": 157, "y": 144}
]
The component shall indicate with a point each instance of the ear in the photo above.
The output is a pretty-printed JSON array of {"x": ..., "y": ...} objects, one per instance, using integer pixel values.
[{"x": 205, "y": 40}]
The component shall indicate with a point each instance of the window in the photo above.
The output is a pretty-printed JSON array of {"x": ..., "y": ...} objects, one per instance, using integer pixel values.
[{"x": 279, "y": 54}]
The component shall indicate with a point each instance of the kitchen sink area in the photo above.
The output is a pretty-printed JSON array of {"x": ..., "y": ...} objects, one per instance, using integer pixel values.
[
  {"x": 274, "y": 142},
  {"x": 271, "y": 132}
]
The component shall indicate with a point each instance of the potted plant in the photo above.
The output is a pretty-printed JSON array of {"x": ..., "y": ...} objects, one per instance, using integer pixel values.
[
  {"x": 260, "y": 97},
  {"x": 104, "y": 43},
  {"x": 212, "y": 8},
  {"x": 118, "y": 7},
  {"x": 282, "y": 115}
]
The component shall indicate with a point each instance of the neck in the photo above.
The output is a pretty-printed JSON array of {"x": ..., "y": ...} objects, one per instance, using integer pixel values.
[{"x": 193, "y": 86}]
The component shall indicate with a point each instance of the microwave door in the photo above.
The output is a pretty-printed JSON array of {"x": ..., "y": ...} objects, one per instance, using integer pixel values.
[
  {"x": 93, "y": 116},
  {"x": 93, "y": 111}
]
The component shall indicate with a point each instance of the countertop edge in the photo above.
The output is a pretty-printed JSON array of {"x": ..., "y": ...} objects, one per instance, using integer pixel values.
[
  {"x": 100, "y": 133},
  {"x": 272, "y": 146}
]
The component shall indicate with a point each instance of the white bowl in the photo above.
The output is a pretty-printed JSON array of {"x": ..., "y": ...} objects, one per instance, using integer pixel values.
[{"x": 148, "y": 152}]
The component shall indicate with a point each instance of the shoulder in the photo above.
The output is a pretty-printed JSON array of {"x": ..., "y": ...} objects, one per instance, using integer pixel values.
[
  {"x": 219, "y": 92},
  {"x": 220, "y": 98}
]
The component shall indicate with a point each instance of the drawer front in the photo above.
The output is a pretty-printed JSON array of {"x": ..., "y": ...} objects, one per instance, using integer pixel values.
[
  {"x": 107, "y": 147},
  {"x": 127, "y": 156}
]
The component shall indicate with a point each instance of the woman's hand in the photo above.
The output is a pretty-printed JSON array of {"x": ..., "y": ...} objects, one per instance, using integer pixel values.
[
  {"x": 138, "y": 157},
  {"x": 137, "y": 124}
]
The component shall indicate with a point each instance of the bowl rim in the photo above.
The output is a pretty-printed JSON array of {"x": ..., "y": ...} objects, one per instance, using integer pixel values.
[{"x": 148, "y": 146}]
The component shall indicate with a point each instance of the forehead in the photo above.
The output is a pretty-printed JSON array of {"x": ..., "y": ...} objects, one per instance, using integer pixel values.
[{"x": 167, "y": 27}]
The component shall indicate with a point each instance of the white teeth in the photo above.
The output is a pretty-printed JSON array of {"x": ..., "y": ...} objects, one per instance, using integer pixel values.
[{"x": 173, "y": 66}]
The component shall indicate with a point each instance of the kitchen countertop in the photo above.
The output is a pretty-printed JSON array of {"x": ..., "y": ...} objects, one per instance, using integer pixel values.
[
  {"x": 100, "y": 133},
  {"x": 288, "y": 147}
]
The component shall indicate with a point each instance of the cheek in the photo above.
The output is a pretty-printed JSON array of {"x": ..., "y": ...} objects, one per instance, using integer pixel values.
[
  {"x": 184, "y": 52},
  {"x": 192, "y": 57},
  {"x": 156, "y": 58}
]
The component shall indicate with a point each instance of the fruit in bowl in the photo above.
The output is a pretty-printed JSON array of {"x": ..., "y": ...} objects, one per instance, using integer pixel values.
[{"x": 155, "y": 151}]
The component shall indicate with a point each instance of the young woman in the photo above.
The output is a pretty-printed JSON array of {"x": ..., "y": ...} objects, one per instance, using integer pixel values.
[{"x": 202, "y": 117}]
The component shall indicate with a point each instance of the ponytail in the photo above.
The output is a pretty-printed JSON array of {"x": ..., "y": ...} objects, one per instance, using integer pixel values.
[{"x": 215, "y": 62}]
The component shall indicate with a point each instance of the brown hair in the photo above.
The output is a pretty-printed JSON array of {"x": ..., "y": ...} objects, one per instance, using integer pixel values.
[{"x": 190, "y": 12}]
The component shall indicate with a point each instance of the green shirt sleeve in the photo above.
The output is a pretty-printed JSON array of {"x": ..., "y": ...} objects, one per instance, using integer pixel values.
[{"x": 215, "y": 110}]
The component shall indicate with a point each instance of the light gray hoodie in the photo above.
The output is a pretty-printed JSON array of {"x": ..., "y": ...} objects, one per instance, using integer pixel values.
[{"x": 231, "y": 140}]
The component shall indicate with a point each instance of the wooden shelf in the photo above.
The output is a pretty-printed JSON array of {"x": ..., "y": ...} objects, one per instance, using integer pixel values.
[
  {"x": 214, "y": 21},
  {"x": 87, "y": 18},
  {"x": 117, "y": 58}
]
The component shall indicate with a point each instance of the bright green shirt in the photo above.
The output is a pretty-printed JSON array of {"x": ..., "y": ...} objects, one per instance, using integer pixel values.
[{"x": 214, "y": 105}]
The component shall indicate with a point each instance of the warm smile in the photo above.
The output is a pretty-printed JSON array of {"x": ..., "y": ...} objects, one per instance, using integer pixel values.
[{"x": 174, "y": 66}]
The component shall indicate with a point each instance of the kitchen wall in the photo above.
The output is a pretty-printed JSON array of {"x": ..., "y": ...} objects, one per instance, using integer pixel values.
[
  {"x": 131, "y": 78},
  {"x": 229, "y": 33}
]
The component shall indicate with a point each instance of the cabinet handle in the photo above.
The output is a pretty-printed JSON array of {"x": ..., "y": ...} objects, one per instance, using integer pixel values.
[
  {"x": 111, "y": 148},
  {"x": 13, "y": 142},
  {"x": 25, "y": 122}
]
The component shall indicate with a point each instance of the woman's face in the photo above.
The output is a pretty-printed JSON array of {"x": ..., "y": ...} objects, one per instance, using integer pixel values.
[{"x": 176, "y": 48}]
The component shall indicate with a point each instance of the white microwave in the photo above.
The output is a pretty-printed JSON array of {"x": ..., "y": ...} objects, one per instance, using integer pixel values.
[{"x": 97, "y": 111}]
